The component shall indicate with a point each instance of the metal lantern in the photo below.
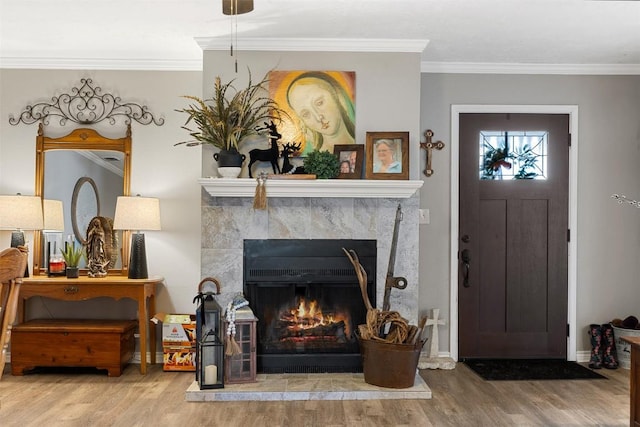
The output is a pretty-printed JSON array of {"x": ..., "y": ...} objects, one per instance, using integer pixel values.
[
  {"x": 241, "y": 368},
  {"x": 209, "y": 334}
]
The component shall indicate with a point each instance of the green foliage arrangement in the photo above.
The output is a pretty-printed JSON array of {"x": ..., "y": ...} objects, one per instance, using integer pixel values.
[
  {"x": 231, "y": 115},
  {"x": 72, "y": 255},
  {"x": 323, "y": 164}
]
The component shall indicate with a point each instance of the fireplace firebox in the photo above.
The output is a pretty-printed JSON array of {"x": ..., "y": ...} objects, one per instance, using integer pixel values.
[{"x": 308, "y": 302}]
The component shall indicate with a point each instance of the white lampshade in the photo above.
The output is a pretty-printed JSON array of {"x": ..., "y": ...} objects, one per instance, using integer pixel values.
[
  {"x": 20, "y": 213},
  {"x": 53, "y": 216},
  {"x": 137, "y": 213}
]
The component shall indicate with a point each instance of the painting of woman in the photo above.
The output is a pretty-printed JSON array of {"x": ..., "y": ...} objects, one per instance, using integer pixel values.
[{"x": 322, "y": 105}]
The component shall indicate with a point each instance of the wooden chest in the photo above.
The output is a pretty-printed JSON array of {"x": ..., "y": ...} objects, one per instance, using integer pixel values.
[{"x": 103, "y": 344}]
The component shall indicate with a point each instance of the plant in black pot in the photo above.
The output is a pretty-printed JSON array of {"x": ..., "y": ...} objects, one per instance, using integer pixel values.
[
  {"x": 228, "y": 117},
  {"x": 72, "y": 257}
]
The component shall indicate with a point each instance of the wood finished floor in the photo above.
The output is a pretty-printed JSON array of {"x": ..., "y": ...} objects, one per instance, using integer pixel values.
[{"x": 460, "y": 398}]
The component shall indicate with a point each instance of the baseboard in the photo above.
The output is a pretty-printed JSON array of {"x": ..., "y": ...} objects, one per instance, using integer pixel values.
[{"x": 583, "y": 356}]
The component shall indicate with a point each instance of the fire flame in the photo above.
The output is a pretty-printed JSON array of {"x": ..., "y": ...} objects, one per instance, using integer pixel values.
[{"x": 308, "y": 315}]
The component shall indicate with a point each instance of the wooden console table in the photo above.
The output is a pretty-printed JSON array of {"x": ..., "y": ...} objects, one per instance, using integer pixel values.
[
  {"x": 117, "y": 287},
  {"x": 634, "y": 379}
]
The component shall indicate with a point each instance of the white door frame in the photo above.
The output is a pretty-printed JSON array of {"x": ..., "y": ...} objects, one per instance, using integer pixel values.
[{"x": 572, "y": 111}]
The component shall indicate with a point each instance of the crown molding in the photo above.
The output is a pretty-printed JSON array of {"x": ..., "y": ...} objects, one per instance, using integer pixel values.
[
  {"x": 315, "y": 44},
  {"x": 43, "y": 63},
  {"x": 520, "y": 68}
]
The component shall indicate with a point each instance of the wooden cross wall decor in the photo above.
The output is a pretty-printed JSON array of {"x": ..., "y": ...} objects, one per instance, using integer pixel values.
[{"x": 429, "y": 146}]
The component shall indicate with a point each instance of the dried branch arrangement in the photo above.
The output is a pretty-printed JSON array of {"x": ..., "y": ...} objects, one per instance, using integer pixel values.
[{"x": 384, "y": 326}]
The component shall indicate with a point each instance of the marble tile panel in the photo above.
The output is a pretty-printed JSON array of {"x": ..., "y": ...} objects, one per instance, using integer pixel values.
[{"x": 227, "y": 221}]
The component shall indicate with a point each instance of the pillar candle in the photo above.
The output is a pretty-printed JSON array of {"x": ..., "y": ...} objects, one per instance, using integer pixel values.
[{"x": 210, "y": 374}]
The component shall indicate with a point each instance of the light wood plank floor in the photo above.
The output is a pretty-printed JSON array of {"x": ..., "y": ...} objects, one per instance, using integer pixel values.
[{"x": 460, "y": 398}]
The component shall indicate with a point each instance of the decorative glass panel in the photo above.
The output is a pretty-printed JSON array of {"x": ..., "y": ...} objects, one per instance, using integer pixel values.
[{"x": 513, "y": 155}]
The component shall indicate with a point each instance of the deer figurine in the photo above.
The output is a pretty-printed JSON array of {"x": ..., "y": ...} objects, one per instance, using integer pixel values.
[
  {"x": 270, "y": 154},
  {"x": 287, "y": 150}
]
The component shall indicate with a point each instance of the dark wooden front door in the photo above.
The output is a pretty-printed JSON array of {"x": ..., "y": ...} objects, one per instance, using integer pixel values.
[{"x": 513, "y": 249}]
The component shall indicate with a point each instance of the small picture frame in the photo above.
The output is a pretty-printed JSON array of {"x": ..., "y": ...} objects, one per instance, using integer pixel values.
[
  {"x": 351, "y": 157},
  {"x": 387, "y": 155}
]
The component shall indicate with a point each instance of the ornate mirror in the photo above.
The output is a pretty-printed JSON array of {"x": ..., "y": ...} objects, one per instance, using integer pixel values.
[
  {"x": 84, "y": 169},
  {"x": 87, "y": 171}
]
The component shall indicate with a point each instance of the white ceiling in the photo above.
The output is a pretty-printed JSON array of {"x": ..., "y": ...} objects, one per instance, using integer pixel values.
[{"x": 160, "y": 34}]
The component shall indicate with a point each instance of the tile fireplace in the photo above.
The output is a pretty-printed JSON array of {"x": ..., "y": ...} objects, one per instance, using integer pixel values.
[{"x": 228, "y": 219}]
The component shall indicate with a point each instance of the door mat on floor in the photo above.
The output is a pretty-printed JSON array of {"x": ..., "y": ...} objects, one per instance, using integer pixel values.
[{"x": 530, "y": 369}]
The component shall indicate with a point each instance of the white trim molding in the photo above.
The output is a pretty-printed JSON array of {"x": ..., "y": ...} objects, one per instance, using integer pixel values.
[
  {"x": 572, "y": 111},
  {"x": 150, "y": 64},
  {"x": 315, "y": 44},
  {"x": 354, "y": 188},
  {"x": 521, "y": 68}
]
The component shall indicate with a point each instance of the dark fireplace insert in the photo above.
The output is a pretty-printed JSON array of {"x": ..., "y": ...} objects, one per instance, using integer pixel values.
[{"x": 308, "y": 302}]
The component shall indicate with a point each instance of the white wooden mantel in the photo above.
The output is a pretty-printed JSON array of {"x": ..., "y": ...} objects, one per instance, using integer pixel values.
[{"x": 355, "y": 188}]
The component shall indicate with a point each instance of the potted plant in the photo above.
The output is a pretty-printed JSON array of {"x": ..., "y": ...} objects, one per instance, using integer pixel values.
[
  {"x": 72, "y": 257},
  {"x": 228, "y": 117},
  {"x": 323, "y": 164}
]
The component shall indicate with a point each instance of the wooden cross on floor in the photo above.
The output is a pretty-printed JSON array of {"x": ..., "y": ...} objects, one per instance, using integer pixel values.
[
  {"x": 429, "y": 146},
  {"x": 434, "y": 322}
]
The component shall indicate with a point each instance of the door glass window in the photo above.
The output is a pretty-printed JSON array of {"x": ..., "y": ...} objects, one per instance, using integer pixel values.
[{"x": 513, "y": 155}]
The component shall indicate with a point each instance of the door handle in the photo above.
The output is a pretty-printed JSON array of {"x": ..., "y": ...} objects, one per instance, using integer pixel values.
[{"x": 465, "y": 256}]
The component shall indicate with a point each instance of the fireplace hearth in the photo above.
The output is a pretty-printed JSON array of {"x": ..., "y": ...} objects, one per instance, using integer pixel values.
[{"x": 308, "y": 301}]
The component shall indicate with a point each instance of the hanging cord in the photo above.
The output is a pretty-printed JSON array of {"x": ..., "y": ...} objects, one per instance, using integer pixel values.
[{"x": 234, "y": 32}]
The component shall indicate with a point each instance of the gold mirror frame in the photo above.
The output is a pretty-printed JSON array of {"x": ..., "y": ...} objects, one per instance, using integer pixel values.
[{"x": 81, "y": 139}]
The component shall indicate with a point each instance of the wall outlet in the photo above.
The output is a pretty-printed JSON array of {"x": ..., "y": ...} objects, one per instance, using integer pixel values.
[{"x": 424, "y": 216}]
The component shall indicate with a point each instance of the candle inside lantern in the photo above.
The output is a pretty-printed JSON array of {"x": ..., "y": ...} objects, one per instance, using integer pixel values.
[{"x": 210, "y": 374}]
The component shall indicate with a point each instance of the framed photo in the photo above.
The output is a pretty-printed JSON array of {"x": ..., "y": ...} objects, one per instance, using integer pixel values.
[
  {"x": 387, "y": 155},
  {"x": 351, "y": 158}
]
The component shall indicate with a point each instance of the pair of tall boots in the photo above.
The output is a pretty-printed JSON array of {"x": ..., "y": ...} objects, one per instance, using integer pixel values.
[{"x": 603, "y": 347}]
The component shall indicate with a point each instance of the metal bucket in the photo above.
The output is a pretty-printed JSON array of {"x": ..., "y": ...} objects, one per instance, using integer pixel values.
[
  {"x": 389, "y": 365},
  {"x": 623, "y": 348}
]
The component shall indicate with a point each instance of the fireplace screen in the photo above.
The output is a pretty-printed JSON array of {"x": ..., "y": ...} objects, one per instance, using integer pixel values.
[{"x": 308, "y": 301}]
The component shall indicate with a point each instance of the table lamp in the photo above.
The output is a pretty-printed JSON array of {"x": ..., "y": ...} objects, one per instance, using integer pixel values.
[
  {"x": 137, "y": 213},
  {"x": 18, "y": 213},
  {"x": 53, "y": 223}
]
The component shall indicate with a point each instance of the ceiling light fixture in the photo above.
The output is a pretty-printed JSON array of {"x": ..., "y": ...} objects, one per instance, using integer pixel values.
[{"x": 234, "y": 8}]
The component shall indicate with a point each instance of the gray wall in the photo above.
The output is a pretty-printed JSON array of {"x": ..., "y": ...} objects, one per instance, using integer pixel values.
[
  {"x": 158, "y": 170},
  {"x": 387, "y": 88},
  {"x": 391, "y": 94},
  {"x": 609, "y": 153}
]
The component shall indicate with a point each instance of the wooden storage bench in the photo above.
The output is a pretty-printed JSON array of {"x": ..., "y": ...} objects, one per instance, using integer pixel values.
[{"x": 103, "y": 344}]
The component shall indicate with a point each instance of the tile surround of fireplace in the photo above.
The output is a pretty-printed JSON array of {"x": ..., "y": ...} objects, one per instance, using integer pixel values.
[{"x": 227, "y": 220}]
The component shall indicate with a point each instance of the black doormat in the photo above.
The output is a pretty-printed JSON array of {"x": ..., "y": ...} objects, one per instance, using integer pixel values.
[{"x": 530, "y": 369}]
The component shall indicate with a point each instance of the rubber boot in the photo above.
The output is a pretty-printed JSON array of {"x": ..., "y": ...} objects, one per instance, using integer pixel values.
[
  {"x": 595, "y": 332},
  {"x": 609, "y": 354}
]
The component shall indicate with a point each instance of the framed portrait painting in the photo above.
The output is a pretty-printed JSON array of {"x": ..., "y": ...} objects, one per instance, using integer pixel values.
[
  {"x": 320, "y": 107},
  {"x": 351, "y": 157},
  {"x": 387, "y": 155}
]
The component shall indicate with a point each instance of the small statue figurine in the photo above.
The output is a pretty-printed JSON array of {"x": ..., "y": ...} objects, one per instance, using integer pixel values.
[
  {"x": 270, "y": 154},
  {"x": 99, "y": 240}
]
